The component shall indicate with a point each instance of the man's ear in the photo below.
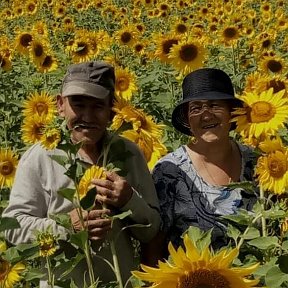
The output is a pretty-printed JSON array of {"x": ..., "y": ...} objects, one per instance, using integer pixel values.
[{"x": 60, "y": 105}]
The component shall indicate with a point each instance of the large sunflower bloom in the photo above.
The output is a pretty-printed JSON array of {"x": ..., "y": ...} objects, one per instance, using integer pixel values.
[
  {"x": 94, "y": 172},
  {"x": 263, "y": 113},
  {"x": 9, "y": 274},
  {"x": 48, "y": 64},
  {"x": 272, "y": 167},
  {"x": 187, "y": 55},
  {"x": 8, "y": 165},
  {"x": 32, "y": 129},
  {"x": 191, "y": 268},
  {"x": 125, "y": 84},
  {"x": 23, "y": 41},
  {"x": 41, "y": 104}
]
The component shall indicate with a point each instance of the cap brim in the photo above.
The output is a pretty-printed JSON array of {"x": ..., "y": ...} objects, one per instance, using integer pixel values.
[
  {"x": 84, "y": 88},
  {"x": 180, "y": 116}
]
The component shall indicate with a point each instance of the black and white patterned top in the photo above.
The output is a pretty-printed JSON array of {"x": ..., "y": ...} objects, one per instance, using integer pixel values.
[{"x": 187, "y": 200}]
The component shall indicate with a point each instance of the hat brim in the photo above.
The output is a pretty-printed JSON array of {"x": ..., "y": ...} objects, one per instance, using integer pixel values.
[
  {"x": 180, "y": 114},
  {"x": 84, "y": 88}
]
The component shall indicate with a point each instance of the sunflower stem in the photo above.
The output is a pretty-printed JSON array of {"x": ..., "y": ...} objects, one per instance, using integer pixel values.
[
  {"x": 263, "y": 220},
  {"x": 50, "y": 273},
  {"x": 247, "y": 229}
]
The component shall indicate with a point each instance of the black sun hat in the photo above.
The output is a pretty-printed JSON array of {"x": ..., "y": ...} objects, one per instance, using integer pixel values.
[{"x": 203, "y": 84}]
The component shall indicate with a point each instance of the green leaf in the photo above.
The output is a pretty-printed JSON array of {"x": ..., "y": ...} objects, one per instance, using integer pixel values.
[
  {"x": 7, "y": 223},
  {"x": 88, "y": 201},
  {"x": 246, "y": 185},
  {"x": 285, "y": 245},
  {"x": 12, "y": 255},
  {"x": 69, "y": 266},
  {"x": 79, "y": 239},
  {"x": 264, "y": 242},
  {"x": 62, "y": 219},
  {"x": 200, "y": 238},
  {"x": 28, "y": 250},
  {"x": 67, "y": 193},
  {"x": 34, "y": 274},
  {"x": 233, "y": 232},
  {"x": 60, "y": 159},
  {"x": 274, "y": 277},
  {"x": 283, "y": 263},
  {"x": 252, "y": 233},
  {"x": 122, "y": 215},
  {"x": 262, "y": 270}
]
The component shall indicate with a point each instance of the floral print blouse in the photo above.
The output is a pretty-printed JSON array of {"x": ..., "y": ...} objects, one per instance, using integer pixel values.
[{"x": 187, "y": 200}]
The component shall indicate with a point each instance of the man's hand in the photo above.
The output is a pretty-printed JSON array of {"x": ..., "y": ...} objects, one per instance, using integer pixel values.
[
  {"x": 98, "y": 226},
  {"x": 114, "y": 191}
]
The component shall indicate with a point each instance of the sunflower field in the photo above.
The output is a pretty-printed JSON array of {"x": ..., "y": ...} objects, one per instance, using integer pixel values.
[{"x": 153, "y": 44}]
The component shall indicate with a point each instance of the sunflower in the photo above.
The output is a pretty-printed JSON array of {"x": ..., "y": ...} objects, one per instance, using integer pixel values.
[
  {"x": 8, "y": 165},
  {"x": 81, "y": 49},
  {"x": 50, "y": 138},
  {"x": 23, "y": 41},
  {"x": 164, "y": 43},
  {"x": 263, "y": 113},
  {"x": 41, "y": 104},
  {"x": 229, "y": 34},
  {"x": 190, "y": 268},
  {"x": 40, "y": 28},
  {"x": 272, "y": 64},
  {"x": 125, "y": 84},
  {"x": 48, "y": 64},
  {"x": 187, "y": 55},
  {"x": 32, "y": 129},
  {"x": 180, "y": 28},
  {"x": 47, "y": 244},
  {"x": 59, "y": 10},
  {"x": 127, "y": 35},
  {"x": 37, "y": 50},
  {"x": 94, "y": 172},
  {"x": 10, "y": 274},
  {"x": 31, "y": 7},
  {"x": 140, "y": 121},
  {"x": 272, "y": 167}
]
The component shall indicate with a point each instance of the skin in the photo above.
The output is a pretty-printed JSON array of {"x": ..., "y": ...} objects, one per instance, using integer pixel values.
[{"x": 88, "y": 118}]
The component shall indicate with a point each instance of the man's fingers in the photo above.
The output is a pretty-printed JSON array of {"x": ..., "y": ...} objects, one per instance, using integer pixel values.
[{"x": 112, "y": 176}]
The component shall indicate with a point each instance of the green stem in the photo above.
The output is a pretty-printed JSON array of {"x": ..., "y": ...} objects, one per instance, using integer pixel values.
[
  {"x": 116, "y": 263},
  {"x": 247, "y": 229},
  {"x": 234, "y": 61},
  {"x": 263, "y": 220},
  {"x": 50, "y": 273}
]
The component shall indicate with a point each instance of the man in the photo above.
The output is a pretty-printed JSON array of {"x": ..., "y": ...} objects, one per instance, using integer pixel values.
[{"x": 86, "y": 104}]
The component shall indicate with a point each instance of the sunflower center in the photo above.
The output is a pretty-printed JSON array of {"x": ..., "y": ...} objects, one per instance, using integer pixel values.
[
  {"x": 167, "y": 45},
  {"x": 277, "y": 165},
  {"x": 203, "y": 278},
  {"x": 82, "y": 49},
  {"x": 266, "y": 43},
  {"x": 126, "y": 37},
  {"x": 188, "y": 52},
  {"x": 181, "y": 28},
  {"x": 230, "y": 33},
  {"x": 274, "y": 66},
  {"x": 47, "y": 61},
  {"x": 122, "y": 84},
  {"x": 25, "y": 40},
  {"x": 262, "y": 111},
  {"x": 277, "y": 85},
  {"x": 38, "y": 50},
  {"x": 4, "y": 269},
  {"x": 6, "y": 168},
  {"x": 41, "y": 108}
]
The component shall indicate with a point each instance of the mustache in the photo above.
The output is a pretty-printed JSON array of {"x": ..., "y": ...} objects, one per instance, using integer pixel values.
[{"x": 82, "y": 124}]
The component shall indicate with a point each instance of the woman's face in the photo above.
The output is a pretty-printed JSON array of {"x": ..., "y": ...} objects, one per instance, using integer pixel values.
[{"x": 209, "y": 119}]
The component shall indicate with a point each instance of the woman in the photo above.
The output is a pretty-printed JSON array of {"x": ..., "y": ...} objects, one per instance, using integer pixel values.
[{"x": 191, "y": 182}]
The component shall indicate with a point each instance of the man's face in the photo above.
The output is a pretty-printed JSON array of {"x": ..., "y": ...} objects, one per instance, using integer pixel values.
[{"x": 87, "y": 117}]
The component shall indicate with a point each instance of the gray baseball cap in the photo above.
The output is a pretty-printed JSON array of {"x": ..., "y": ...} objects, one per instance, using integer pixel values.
[{"x": 94, "y": 79}]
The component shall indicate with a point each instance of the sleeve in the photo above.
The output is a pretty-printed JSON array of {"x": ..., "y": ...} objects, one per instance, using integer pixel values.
[
  {"x": 143, "y": 203},
  {"x": 165, "y": 188},
  {"x": 29, "y": 201}
]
